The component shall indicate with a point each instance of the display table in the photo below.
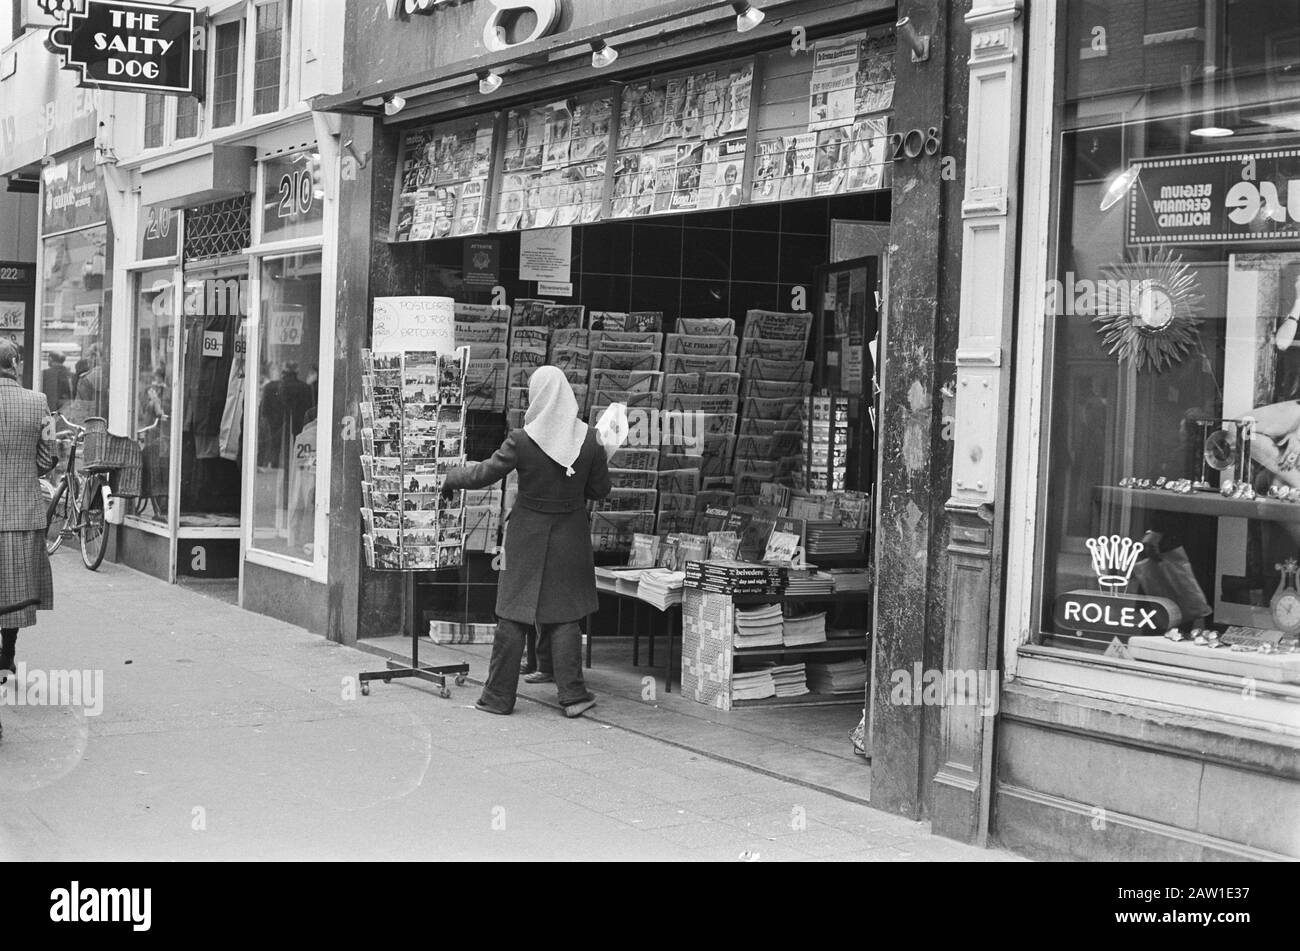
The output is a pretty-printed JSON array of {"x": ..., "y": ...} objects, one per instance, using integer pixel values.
[{"x": 624, "y": 583}]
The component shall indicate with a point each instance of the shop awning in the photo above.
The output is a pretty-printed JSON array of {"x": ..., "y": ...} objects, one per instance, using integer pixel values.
[{"x": 214, "y": 173}]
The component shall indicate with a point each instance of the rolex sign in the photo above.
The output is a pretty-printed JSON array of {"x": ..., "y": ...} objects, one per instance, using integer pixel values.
[{"x": 139, "y": 47}]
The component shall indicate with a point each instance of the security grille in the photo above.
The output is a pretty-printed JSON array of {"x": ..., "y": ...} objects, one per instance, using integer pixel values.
[{"x": 218, "y": 229}]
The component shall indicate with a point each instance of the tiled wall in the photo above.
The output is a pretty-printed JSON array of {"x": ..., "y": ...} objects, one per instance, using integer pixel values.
[{"x": 707, "y": 264}]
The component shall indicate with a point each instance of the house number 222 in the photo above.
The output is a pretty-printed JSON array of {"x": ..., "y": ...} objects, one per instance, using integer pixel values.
[{"x": 913, "y": 143}]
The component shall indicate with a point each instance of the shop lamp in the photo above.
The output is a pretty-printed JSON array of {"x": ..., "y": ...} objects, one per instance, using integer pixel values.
[
  {"x": 488, "y": 82},
  {"x": 1119, "y": 187},
  {"x": 602, "y": 54},
  {"x": 393, "y": 105},
  {"x": 1212, "y": 131},
  {"x": 748, "y": 16}
]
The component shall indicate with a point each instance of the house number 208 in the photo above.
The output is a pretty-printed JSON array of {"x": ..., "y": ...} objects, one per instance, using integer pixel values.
[{"x": 913, "y": 143}]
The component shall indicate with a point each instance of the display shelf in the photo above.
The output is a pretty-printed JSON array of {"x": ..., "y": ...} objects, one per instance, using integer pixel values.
[
  {"x": 837, "y": 597},
  {"x": 833, "y": 646},
  {"x": 857, "y": 698},
  {"x": 1202, "y": 503}
]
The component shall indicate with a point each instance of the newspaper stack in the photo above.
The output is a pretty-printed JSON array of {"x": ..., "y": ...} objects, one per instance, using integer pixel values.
[
  {"x": 661, "y": 588},
  {"x": 805, "y": 630},
  {"x": 753, "y": 684},
  {"x": 838, "y": 677},
  {"x": 758, "y": 626},
  {"x": 791, "y": 680}
]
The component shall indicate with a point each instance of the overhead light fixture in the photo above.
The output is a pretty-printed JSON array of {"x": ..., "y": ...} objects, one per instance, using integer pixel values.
[
  {"x": 602, "y": 54},
  {"x": 1119, "y": 187},
  {"x": 488, "y": 82},
  {"x": 1212, "y": 132},
  {"x": 748, "y": 16},
  {"x": 393, "y": 105}
]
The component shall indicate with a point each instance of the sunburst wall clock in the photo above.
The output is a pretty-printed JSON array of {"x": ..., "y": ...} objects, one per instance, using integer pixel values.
[{"x": 1148, "y": 309}]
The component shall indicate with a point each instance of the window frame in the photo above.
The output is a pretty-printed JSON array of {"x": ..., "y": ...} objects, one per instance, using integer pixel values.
[
  {"x": 250, "y": 41},
  {"x": 238, "y": 19}
]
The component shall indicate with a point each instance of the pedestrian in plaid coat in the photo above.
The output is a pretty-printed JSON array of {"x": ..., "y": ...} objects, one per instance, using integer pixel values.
[{"x": 24, "y": 455}]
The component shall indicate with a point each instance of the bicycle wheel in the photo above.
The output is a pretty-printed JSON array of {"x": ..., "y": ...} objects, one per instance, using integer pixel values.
[
  {"x": 56, "y": 518},
  {"x": 94, "y": 530}
]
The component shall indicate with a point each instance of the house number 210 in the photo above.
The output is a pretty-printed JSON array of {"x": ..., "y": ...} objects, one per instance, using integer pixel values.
[{"x": 914, "y": 143}]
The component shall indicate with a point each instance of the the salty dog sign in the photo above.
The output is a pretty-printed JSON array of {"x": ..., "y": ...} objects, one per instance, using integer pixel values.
[
  {"x": 139, "y": 47},
  {"x": 414, "y": 323}
]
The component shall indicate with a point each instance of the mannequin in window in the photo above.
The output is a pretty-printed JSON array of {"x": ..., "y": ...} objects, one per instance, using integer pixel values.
[{"x": 1276, "y": 442}]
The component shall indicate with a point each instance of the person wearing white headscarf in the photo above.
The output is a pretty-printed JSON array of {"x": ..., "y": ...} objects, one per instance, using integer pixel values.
[{"x": 548, "y": 577}]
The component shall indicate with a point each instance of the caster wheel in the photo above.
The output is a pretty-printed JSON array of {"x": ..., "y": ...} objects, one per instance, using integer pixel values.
[
  {"x": 460, "y": 680},
  {"x": 365, "y": 689},
  {"x": 444, "y": 693}
]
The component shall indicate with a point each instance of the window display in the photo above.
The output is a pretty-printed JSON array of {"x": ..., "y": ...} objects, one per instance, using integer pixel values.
[
  {"x": 1171, "y": 518},
  {"x": 153, "y": 346},
  {"x": 288, "y": 400}
]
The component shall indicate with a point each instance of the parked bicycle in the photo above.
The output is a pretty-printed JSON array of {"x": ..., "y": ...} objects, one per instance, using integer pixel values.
[
  {"x": 77, "y": 506},
  {"x": 153, "y": 493}
]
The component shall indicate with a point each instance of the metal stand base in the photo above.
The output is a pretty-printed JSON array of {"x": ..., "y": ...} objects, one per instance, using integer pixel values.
[{"x": 397, "y": 670}]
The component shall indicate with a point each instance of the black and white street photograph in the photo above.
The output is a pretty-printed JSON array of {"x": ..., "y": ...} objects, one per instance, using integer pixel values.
[{"x": 651, "y": 431}]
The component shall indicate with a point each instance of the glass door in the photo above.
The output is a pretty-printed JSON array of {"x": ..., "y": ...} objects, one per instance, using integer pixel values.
[{"x": 213, "y": 341}]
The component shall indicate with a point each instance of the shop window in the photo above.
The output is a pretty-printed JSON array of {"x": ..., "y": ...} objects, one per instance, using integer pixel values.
[
  {"x": 288, "y": 398},
  {"x": 153, "y": 345},
  {"x": 225, "y": 75},
  {"x": 155, "y": 110},
  {"x": 73, "y": 325},
  {"x": 268, "y": 56},
  {"x": 187, "y": 117},
  {"x": 1170, "y": 520}
]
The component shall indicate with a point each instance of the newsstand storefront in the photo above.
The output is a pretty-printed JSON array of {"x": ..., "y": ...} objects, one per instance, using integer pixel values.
[
  {"x": 689, "y": 213},
  {"x": 1154, "y": 705}
]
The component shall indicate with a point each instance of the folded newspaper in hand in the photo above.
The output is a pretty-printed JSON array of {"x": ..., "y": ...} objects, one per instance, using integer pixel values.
[{"x": 612, "y": 428}]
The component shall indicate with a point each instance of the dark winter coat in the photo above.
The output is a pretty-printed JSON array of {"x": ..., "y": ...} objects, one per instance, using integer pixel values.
[{"x": 549, "y": 575}]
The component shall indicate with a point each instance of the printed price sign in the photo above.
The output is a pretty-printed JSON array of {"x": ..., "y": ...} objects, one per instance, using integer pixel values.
[{"x": 214, "y": 343}]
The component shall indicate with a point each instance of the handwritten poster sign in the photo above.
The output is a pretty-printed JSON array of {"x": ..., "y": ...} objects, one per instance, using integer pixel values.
[
  {"x": 414, "y": 323},
  {"x": 546, "y": 254}
]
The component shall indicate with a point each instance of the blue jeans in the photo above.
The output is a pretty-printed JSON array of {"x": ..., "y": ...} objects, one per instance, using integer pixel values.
[{"x": 565, "y": 663}]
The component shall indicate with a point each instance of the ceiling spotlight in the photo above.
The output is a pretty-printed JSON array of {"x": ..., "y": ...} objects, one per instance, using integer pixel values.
[
  {"x": 1212, "y": 132},
  {"x": 748, "y": 16},
  {"x": 393, "y": 105},
  {"x": 488, "y": 82},
  {"x": 602, "y": 54}
]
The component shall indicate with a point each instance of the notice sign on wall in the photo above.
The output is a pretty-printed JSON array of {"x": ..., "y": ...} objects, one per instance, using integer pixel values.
[
  {"x": 140, "y": 47},
  {"x": 1209, "y": 199},
  {"x": 546, "y": 255}
]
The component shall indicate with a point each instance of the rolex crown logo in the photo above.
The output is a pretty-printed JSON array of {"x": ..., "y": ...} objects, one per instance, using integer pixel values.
[{"x": 1113, "y": 559}]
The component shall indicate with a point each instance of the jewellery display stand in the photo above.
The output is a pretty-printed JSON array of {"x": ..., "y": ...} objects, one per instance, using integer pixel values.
[{"x": 413, "y": 433}]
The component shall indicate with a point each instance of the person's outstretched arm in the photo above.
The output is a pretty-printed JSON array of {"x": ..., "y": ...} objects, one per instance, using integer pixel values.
[
  {"x": 598, "y": 478},
  {"x": 482, "y": 474}
]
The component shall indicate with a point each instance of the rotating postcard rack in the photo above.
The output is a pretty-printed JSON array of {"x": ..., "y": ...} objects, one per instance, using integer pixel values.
[{"x": 412, "y": 434}]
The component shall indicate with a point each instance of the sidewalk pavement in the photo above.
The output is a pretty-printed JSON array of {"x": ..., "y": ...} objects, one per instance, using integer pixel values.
[{"x": 227, "y": 735}]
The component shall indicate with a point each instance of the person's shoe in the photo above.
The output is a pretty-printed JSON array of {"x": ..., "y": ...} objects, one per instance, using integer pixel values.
[
  {"x": 537, "y": 677},
  {"x": 480, "y": 705},
  {"x": 526, "y": 668},
  {"x": 579, "y": 708}
]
